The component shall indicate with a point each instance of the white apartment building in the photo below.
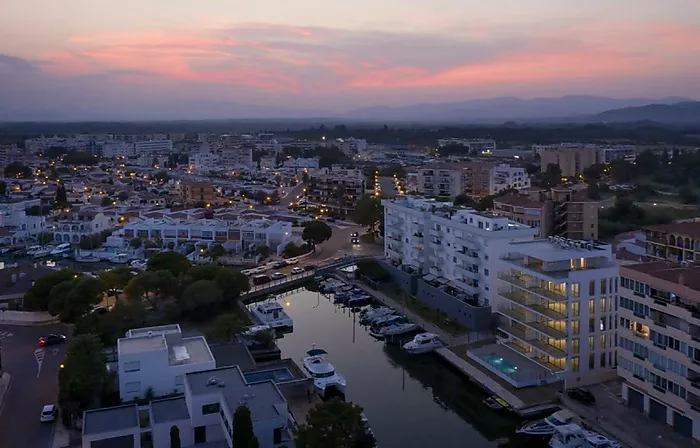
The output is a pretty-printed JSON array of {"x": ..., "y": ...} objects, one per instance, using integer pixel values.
[
  {"x": 625, "y": 152},
  {"x": 14, "y": 214},
  {"x": 658, "y": 355},
  {"x": 70, "y": 227},
  {"x": 459, "y": 246},
  {"x": 505, "y": 177},
  {"x": 557, "y": 315},
  {"x": 157, "y": 358},
  {"x": 234, "y": 235},
  {"x": 475, "y": 145},
  {"x": 118, "y": 149},
  {"x": 442, "y": 180},
  {"x": 241, "y": 157},
  {"x": 271, "y": 146},
  {"x": 309, "y": 163},
  {"x": 351, "y": 146},
  {"x": 204, "y": 161},
  {"x": 153, "y": 146}
]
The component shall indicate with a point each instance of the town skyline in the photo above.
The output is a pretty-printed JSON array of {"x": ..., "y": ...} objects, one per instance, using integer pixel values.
[{"x": 332, "y": 57}]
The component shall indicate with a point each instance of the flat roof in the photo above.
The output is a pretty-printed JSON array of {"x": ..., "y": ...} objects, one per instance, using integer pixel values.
[
  {"x": 141, "y": 344},
  {"x": 690, "y": 229},
  {"x": 260, "y": 398},
  {"x": 169, "y": 410},
  {"x": 110, "y": 419},
  {"x": 160, "y": 329},
  {"x": 189, "y": 351},
  {"x": 547, "y": 251},
  {"x": 688, "y": 276}
]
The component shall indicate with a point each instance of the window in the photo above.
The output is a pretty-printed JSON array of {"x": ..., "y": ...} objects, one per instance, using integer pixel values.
[
  {"x": 575, "y": 309},
  {"x": 574, "y": 364},
  {"x": 486, "y": 272},
  {"x": 133, "y": 366},
  {"x": 603, "y": 301},
  {"x": 591, "y": 288},
  {"x": 132, "y": 387},
  {"x": 591, "y": 306},
  {"x": 603, "y": 286},
  {"x": 576, "y": 289},
  {"x": 212, "y": 408}
]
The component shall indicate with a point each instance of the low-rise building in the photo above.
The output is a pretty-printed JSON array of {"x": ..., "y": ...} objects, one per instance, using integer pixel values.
[
  {"x": 118, "y": 149},
  {"x": 193, "y": 192},
  {"x": 658, "y": 353},
  {"x": 336, "y": 189},
  {"x": 675, "y": 241},
  {"x": 475, "y": 145},
  {"x": 70, "y": 227}
]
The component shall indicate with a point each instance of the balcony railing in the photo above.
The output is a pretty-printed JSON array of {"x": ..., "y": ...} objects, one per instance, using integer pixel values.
[{"x": 530, "y": 287}]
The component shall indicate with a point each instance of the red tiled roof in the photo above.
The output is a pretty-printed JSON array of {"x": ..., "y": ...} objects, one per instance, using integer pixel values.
[{"x": 689, "y": 229}]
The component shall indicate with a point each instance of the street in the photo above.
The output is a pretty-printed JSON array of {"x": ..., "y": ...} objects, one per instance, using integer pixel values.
[
  {"x": 34, "y": 373},
  {"x": 290, "y": 194}
]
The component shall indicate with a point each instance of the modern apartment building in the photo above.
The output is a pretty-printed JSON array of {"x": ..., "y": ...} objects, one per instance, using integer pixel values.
[
  {"x": 336, "y": 189},
  {"x": 658, "y": 356},
  {"x": 572, "y": 161},
  {"x": 204, "y": 161},
  {"x": 506, "y": 177},
  {"x": 118, "y": 149},
  {"x": 191, "y": 192},
  {"x": 460, "y": 246},
  {"x": 675, "y": 241},
  {"x": 557, "y": 316},
  {"x": 624, "y": 152},
  {"x": 153, "y": 146},
  {"x": 561, "y": 212},
  {"x": 352, "y": 145},
  {"x": 444, "y": 179},
  {"x": 476, "y": 145},
  {"x": 239, "y": 157}
]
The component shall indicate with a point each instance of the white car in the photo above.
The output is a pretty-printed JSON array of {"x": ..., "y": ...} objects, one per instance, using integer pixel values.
[
  {"x": 48, "y": 413},
  {"x": 296, "y": 271},
  {"x": 247, "y": 271},
  {"x": 278, "y": 276},
  {"x": 292, "y": 261}
]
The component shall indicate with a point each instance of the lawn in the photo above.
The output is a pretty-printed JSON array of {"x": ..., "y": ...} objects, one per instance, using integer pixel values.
[{"x": 436, "y": 317}]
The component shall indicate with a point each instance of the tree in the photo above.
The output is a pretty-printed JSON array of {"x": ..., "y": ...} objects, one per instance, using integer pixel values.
[
  {"x": 316, "y": 232},
  {"x": 232, "y": 283},
  {"x": 123, "y": 196},
  {"x": 201, "y": 299},
  {"x": 242, "y": 427},
  {"x": 216, "y": 251},
  {"x": 552, "y": 176},
  {"x": 262, "y": 250},
  {"x": 334, "y": 423},
  {"x": 593, "y": 172},
  {"x": 79, "y": 158},
  {"x": 688, "y": 195},
  {"x": 647, "y": 163},
  {"x": 174, "y": 437},
  {"x": 116, "y": 279},
  {"x": 254, "y": 443},
  {"x": 83, "y": 372},
  {"x": 368, "y": 212},
  {"x": 174, "y": 262},
  {"x": 16, "y": 169},
  {"x": 107, "y": 201},
  {"x": 74, "y": 298},
  {"x": 593, "y": 191},
  {"x": 3, "y": 188},
  {"x": 466, "y": 201},
  {"x": 135, "y": 243},
  {"x": 152, "y": 286},
  {"x": 37, "y": 297},
  {"x": 61, "y": 196},
  {"x": 227, "y": 327},
  {"x": 111, "y": 326}
]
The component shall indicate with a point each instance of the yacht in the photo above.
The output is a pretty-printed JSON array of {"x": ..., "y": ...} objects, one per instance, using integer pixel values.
[
  {"x": 546, "y": 426},
  {"x": 255, "y": 329},
  {"x": 89, "y": 258},
  {"x": 359, "y": 299},
  {"x": 380, "y": 325},
  {"x": 595, "y": 440},
  {"x": 568, "y": 436},
  {"x": 119, "y": 258},
  {"x": 272, "y": 313},
  {"x": 398, "y": 328},
  {"x": 324, "y": 374},
  {"x": 32, "y": 250},
  {"x": 61, "y": 249},
  {"x": 139, "y": 264},
  {"x": 423, "y": 343},
  {"x": 370, "y": 314},
  {"x": 43, "y": 252}
]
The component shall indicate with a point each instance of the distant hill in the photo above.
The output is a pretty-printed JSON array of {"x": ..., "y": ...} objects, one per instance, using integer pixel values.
[
  {"x": 687, "y": 112},
  {"x": 498, "y": 110}
]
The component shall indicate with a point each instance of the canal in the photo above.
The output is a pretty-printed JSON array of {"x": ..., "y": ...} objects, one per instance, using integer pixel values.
[{"x": 410, "y": 401}]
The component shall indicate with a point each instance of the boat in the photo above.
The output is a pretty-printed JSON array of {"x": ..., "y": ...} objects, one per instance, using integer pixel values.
[
  {"x": 358, "y": 300},
  {"x": 380, "y": 324},
  {"x": 568, "y": 436},
  {"x": 89, "y": 258},
  {"x": 323, "y": 373},
  {"x": 369, "y": 314},
  {"x": 272, "y": 313},
  {"x": 331, "y": 285},
  {"x": 496, "y": 403},
  {"x": 119, "y": 258},
  {"x": 595, "y": 440},
  {"x": 255, "y": 329},
  {"x": 398, "y": 328},
  {"x": 43, "y": 252},
  {"x": 32, "y": 250},
  {"x": 423, "y": 343},
  {"x": 139, "y": 264},
  {"x": 546, "y": 426},
  {"x": 61, "y": 249}
]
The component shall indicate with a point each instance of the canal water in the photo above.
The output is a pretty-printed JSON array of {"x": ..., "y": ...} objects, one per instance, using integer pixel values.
[{"x": 410, "y": 401}]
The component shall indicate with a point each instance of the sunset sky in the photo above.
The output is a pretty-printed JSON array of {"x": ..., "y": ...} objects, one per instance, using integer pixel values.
[{"x": 145, "y": 57}]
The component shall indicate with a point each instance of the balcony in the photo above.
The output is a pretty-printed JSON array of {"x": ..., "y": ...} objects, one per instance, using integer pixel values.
[
  {"x": 534, "y": 342},
  {"x": 530, "y": 287},
  {"x": 532, "y": 323}
]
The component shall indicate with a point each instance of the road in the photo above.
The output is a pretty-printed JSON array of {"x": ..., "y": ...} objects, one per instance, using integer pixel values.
[
  {"x": 290, "y": 194},
  {"x": 32, "y": 386}
]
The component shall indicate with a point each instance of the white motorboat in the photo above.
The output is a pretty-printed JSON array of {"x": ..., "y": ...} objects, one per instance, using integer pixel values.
[
  {"x": 139, "y": 264},
  {"x": 370, "y": 314},
  {"x": 121, "y": 258},
  {"x": 43, "y": 252},
  {"x": 272, "y": 313},
  {"x": 546, "y": 426},
  {"x": 399, "y": 328},
  {"x": 256, "y": 329},
  {"x": 423, "y": 343},
  {"x": 323, "y": 373},
  {"x": 568, "y": 436},
  {"x": 61, "y": 249},
  {"x": 88, "y": 258},
  {"x": 595, "y": 440},
  {"x": 378, "y": 325},
  {"x": 32, "y": 250}
]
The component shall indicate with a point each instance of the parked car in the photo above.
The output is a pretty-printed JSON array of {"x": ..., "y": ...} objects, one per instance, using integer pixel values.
[
  {"x": 48, "y": 413},
  {"x": 278, "y": 276},
  {"x": 52, "y": 339},
  {"x": 296, "y": 271},
  {"x": 280, "y": 264},
  {"x": 309, "y": 267},
  {"x": 292, "y": 261},
  {"x": 261, "y": 279},
  {"x": 582, "y": 396},
  {"x": 329, "y": 219}
]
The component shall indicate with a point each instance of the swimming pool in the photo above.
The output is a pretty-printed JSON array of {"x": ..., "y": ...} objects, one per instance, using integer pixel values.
[
  {"x": 500, "y": 364},
  {"x": 276, "y": 375}
]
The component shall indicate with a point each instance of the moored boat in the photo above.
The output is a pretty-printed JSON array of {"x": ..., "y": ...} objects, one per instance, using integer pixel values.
[
  {"x": 546, "y": 426},
  {"x": 423, "y": 343},
  {"x": 325, "y": 377}
]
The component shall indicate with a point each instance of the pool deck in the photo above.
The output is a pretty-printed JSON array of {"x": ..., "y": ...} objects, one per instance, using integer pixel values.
[{"x": 526, "y": 402}]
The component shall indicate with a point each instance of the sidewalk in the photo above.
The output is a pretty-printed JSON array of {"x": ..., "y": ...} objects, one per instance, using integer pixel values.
[
  {"x": 26, "y": 318},
  {"x": 5, "y": 383},
  {"x": 61, "y": 436}
]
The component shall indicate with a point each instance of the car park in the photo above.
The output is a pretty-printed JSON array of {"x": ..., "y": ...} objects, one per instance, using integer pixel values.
[
  {"x": 296, "y": 271},
  {"x": 52, "y": 339}
]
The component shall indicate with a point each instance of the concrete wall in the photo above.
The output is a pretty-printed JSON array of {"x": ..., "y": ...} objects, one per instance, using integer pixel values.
[
  {"x": 472, "y": 317},
  {"x": 407, "y": 282},
  {"x": 161, "y": 433}
]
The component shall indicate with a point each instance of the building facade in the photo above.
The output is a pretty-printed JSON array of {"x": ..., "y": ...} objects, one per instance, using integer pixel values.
[
  {"x": 572, "y": 161},
  {"x": 675, "y": 241},
  {"x": 238, "y": 157},
  {"x": 153, "y": 146},
  {"x": 192, "y": 192},
  {"x": 71, "y": 227},
  {"x": 506, "y": 177},
  {"x": 476, "y": 145},
  {"x": 659, "y": 343},
  {"x": 336, "y": 189}
]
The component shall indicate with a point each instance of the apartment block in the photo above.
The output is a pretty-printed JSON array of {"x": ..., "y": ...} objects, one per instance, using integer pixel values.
[
  {"x": 520, "y": 208},
  {"x": 572, "y": 161},
  {"x": 676, "y": 241},
  {"x": 352, "y": 146},
  {"x": 153, "y": 146},
  {"x": 191, "y": 192},
  {"x": 454, "y": 246},
  {"x": 506, "y": 177},
  {"x": 658, "y": 353},
  {"x": 118, "y": 149},
  {"x": 557, "y": 317},
  {"x": 240, "y": 157},
  {"x": 476, "y": 145},
  {"x": 336, "y": 189}
]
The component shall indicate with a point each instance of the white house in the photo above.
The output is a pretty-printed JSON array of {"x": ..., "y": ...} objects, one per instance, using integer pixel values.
[
  {"x": 70, "y": 227},
  {"x": 157, "y": 358},
  {"x": 505, "y": 177}
]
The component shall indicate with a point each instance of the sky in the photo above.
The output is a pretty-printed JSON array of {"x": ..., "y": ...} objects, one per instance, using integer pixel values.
[{"x": 168, "y": 58}]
